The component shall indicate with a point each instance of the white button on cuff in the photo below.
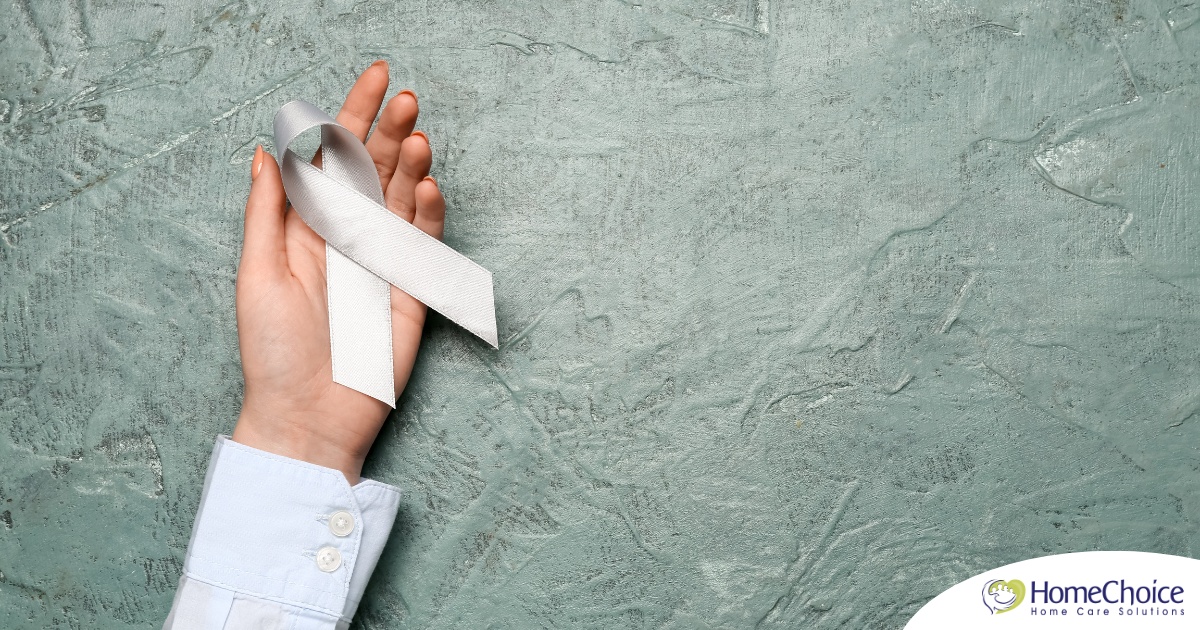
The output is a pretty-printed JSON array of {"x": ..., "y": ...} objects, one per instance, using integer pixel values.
[
  {"x": 328, "y": 559},
  {"x": 341, "y": 524}
]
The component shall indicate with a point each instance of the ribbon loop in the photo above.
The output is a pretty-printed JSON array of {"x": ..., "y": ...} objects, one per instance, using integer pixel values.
[{"x": 368, "y": 248}]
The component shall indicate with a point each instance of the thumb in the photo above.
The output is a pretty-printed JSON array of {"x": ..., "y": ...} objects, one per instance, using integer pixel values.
[{"x": 263, "y": 245}]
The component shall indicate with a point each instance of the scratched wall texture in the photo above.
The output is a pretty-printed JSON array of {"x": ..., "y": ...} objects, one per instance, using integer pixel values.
[{"x": 809, "y": 310}]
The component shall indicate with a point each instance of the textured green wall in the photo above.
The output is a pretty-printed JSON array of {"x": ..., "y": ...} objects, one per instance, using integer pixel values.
[{"x": 808, "y": 309}]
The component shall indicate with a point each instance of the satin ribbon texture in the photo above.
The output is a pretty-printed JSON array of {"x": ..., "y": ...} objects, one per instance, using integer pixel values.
[{"x": 367, "y": 248}]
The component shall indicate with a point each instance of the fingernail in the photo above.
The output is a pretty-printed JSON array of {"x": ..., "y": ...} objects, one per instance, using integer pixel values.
[
  {"x": 423, "y": 136},
  {"x": 408, "y": 92},
  {"x": 379, "y": 62},
  {"x": 431, "y": 179},
  {"x": 256, "y": 165}
]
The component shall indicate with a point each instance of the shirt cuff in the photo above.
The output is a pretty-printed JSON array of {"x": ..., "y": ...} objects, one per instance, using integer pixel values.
[{"x": 288, "y": 531}]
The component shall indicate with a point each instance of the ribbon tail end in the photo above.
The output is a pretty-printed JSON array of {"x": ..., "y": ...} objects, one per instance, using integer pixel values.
[
  {"x": 485, "y": 331},
  {"x": 491, "y": 336},
  {"x": 390, "y": 403},
  {"x": 387, "y": 397}
]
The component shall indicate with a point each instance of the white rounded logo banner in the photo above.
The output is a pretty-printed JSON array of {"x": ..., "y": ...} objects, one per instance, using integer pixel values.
[
  {"x": 368, "y": 248},
  {"x": 1091, "y": 589}
]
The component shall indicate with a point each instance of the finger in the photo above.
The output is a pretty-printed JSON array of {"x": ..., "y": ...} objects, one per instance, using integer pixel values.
[
  {"x": 431, "y": 208},
  {"x": 264, "y": 248},
  {"x": 366, "y": 96},
  {"x": 362, "y": 103},
  {"x": 411, "y": 168},
  {"x": 395, "y": 124}
]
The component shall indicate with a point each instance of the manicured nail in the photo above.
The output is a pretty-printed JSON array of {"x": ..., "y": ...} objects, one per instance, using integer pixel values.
[{"x": 256, "y": 165}]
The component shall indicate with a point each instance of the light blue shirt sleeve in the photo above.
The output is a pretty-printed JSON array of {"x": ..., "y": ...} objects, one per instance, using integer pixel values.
[{"x": 279, "y": 544}]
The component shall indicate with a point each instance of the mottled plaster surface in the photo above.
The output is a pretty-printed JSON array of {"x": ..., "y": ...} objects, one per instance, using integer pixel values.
[{"x": 808, "y": 310}]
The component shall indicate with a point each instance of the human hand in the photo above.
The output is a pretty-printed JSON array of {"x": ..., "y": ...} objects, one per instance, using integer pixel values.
[{"x": 291, "y": 405}]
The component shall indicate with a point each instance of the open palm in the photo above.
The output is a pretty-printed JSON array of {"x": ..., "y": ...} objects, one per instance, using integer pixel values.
[{"x": 291, "y": 406}]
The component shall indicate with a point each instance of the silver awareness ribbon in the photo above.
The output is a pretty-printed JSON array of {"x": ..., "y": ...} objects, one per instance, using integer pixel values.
[{"x": 367, "y": 248}]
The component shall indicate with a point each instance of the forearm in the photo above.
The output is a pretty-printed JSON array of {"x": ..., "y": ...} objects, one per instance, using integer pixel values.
[{"x": 279, "y": 543}]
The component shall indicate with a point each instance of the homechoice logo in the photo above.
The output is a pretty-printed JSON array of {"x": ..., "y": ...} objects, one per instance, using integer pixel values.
[
  {"x": 1001, "y": 596},
  {"x": 1130, "y": 600},
  {"x": 1088, "y": 590}
]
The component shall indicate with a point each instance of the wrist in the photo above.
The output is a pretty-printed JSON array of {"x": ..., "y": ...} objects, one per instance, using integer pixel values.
[{"x": 296, "y": 440}]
